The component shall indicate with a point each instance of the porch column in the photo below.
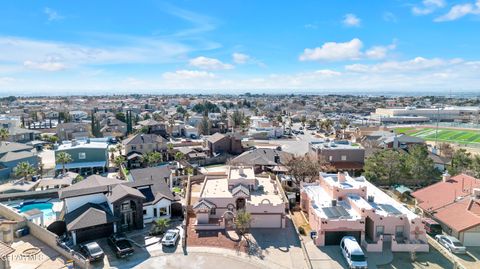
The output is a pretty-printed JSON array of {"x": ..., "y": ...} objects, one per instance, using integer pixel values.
[
  {"x": 74, "y": 237},
  {"x": 114, "y": 227}
]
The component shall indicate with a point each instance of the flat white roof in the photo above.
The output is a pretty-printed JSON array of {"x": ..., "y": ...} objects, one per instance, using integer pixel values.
[{"x": 83, "y": 144}]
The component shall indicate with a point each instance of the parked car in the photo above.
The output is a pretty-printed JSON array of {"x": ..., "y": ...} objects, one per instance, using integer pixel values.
[
  {"x": 353, "y": 253},
  {"x": 432, "y": 227},
  {"x": 120, "y": 245},
  {"x": 171, "y": 237},
  {"x": 451, "y": 243},
  {"x": 302, "y": 132},
  {"x": 92, "y": 251}
]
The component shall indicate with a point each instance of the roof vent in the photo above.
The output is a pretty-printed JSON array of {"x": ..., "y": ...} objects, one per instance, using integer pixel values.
[
  {"x": 371, "y": 198},
  {"x": 446, "y": 176},
  {"x": 334, "y": 202}
]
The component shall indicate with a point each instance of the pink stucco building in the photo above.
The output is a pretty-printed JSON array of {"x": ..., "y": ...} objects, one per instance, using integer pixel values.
[
  {"x": 240, "y": 188},
  {"x": 338, "y": 205}
]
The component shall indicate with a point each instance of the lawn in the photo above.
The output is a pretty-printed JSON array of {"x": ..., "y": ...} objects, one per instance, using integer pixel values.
[{"x": 443, "y": 135}]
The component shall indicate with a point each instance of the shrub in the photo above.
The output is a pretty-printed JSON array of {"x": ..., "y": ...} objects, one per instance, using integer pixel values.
[{"x": 301, "y": 230}]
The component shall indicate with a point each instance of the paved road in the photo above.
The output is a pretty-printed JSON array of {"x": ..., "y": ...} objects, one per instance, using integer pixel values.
[{"x": 197, "y": 261}]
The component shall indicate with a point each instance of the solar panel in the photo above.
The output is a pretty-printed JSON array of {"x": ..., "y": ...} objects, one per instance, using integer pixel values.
[
  {"x": 335, "y": 212},
  {"x": 390, "y": 209}
]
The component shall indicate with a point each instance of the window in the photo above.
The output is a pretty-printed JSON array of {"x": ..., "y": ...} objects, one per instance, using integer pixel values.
[
  {"x": 380, "y": 230},
  {"x": 82, "y": 155},
  {"x": 155, "y": 212},
  {"x": 213, "y": 211},
  {"x": 134, "y": 148},
  {"x": 399, "y": 231},
  {"x": 344, "y": 157},
  {"x": 330, "y": 158},
  {"x": 163, "y": 211},
  {"x": 126, "y": 206},
  {"x": 144, "y": 212}
]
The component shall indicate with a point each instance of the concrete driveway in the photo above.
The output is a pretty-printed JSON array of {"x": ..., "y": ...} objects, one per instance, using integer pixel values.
[{"x": 278, "y": 246}]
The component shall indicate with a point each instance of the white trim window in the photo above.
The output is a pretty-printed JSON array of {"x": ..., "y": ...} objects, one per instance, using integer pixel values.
[{"x": 82, "y": 155}]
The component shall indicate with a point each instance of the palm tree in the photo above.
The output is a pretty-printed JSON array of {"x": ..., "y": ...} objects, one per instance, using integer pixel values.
[
  {"x": 64, "y": 158},
  {"x": 24, "y": 170},
  {"x": 179, "y": 156},
  {"x": 118, "y": 161},
  {"x": 186, "y": 117},
  {"x": 4, "y": 134},
  {"x": 169, "y": 150},
  {"x": 112, "y": 152},
  {"x": 160, "y": 226},
  {"x": 152, "y": 158},
  {"x": 119, "y": 149}
]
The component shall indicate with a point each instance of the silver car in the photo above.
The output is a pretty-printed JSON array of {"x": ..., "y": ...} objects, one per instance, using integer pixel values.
[
  {"x": 451, "y": 243},
  {"x": 171, "y": 237}
]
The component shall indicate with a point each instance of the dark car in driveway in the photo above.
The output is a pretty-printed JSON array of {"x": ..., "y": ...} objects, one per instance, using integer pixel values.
[
  {"x": 120, "y": 245},
  {"x": 92, "y": 251}
]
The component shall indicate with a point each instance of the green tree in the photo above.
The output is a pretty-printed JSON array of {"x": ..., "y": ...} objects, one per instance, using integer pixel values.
[
  {"x": 460, "y": 162},
  {"x": 24, "y": 170},
  {"x": 77, "y": 179},
  {"x": 204, "y": 126},
  {"x": 4, "y": 134},
  {"x": 179, "y": 156},
  {"x": 243, "y": 222},
  {"x": 112, "y": 152},
  {"x": 421, "y": 168},
  {"x": 386, "y": 167},
  {"x": 119, "y": 148},
  {"x": 160, "y": 226},
  {"x": 121, "y": 117},
  {"x": 237, "y": 119},
  {"x": 475, "y": 166},
  {"x": 152, "y": 158},
  {"x": 64, "y": 158},
  {"x": 118, "y": 161},
  {"x": 170, "y": 150}
]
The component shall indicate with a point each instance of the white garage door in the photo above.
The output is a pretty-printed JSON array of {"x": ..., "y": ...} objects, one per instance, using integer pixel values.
[
  {"x": 471, "y": 239},
  {"x": 266, "y": 221}
]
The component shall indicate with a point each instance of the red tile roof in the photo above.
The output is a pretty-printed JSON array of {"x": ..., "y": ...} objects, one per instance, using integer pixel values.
[
  {"x": 459, "y": 215},
  {"x": 443, "y": 193}
]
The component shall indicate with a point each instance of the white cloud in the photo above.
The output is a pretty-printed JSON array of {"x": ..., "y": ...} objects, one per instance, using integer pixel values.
[
  {"x": 240, "y": 58},
  {"x": 459, "y": 11},
  {"x": 209, "y": 63},
  {"x": 351, "y": 50},
  {"x": 6, "y": 80},
  {"x": 351, "y": 20},
  {"x": 310, "y": 26},
  {"x": 327, "y": 72},
  {"x": 333, "y": 51},
  {"x": 187, "y": 75},
  {"x": 52, "y": 15},
  {"x": 379, "y": 52},
  {"x": 389, "y": 17},
  {"x": 128, "y": 49},
  {"x": 428, "y": 7},
  {"x": 414, "y": 65},
  {"x": 45, "y": 66}
]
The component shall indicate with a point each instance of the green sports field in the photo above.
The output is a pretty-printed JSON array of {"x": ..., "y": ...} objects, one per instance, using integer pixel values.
[{"x": 444, "y": 134}]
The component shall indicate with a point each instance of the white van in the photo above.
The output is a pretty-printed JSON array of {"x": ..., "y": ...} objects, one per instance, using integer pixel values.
[{"x": 353, "y": 253}]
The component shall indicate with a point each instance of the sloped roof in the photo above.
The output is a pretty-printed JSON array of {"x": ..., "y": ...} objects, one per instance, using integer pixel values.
[
  {"x": 92, "y": 184},
  {"x": 443, "y": 193},
  {"x": 13, "y": 146},
  {"x": 216, "y": 137},
  {"x": 461, "y": 215},
  {"x": 239, "y": 189},
  {"x": 89, "y": 215},
  {"x": 203, "y": 204},
  {"x": 261, "y": 157},
  {"x": 119, "y": 191},
  {"x": 14, "y": 156},
  {"x": 144, "y": 139}
]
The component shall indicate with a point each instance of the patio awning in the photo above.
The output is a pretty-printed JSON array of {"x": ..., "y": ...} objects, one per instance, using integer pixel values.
[{"x": 81, "y": 165}]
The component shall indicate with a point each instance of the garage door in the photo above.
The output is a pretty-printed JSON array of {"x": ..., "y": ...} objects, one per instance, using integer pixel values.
[
  {"x": 334, "y": 238},
  {"x": 94, "y": 232},
  {"x": 471, "y": 239},
  {"x": 266, "y": 221}
]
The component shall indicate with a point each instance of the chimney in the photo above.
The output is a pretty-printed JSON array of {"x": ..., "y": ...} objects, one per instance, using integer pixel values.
[
  {"x": 446, "y": 176},
  {"x": 171, "y": 181},
  {"x": 476, "y": 193},
  {"x": 240, "y": 170}
]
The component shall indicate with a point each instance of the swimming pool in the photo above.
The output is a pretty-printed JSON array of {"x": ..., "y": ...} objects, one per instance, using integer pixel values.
[{"x": 47, "y": 209}]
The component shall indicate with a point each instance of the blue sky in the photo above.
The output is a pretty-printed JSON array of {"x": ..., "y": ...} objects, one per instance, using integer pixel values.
[{"x": 213, "y": 46}]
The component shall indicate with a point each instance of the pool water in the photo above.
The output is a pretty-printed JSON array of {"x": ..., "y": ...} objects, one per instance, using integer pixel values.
[{"x": 46, "y": 208}]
